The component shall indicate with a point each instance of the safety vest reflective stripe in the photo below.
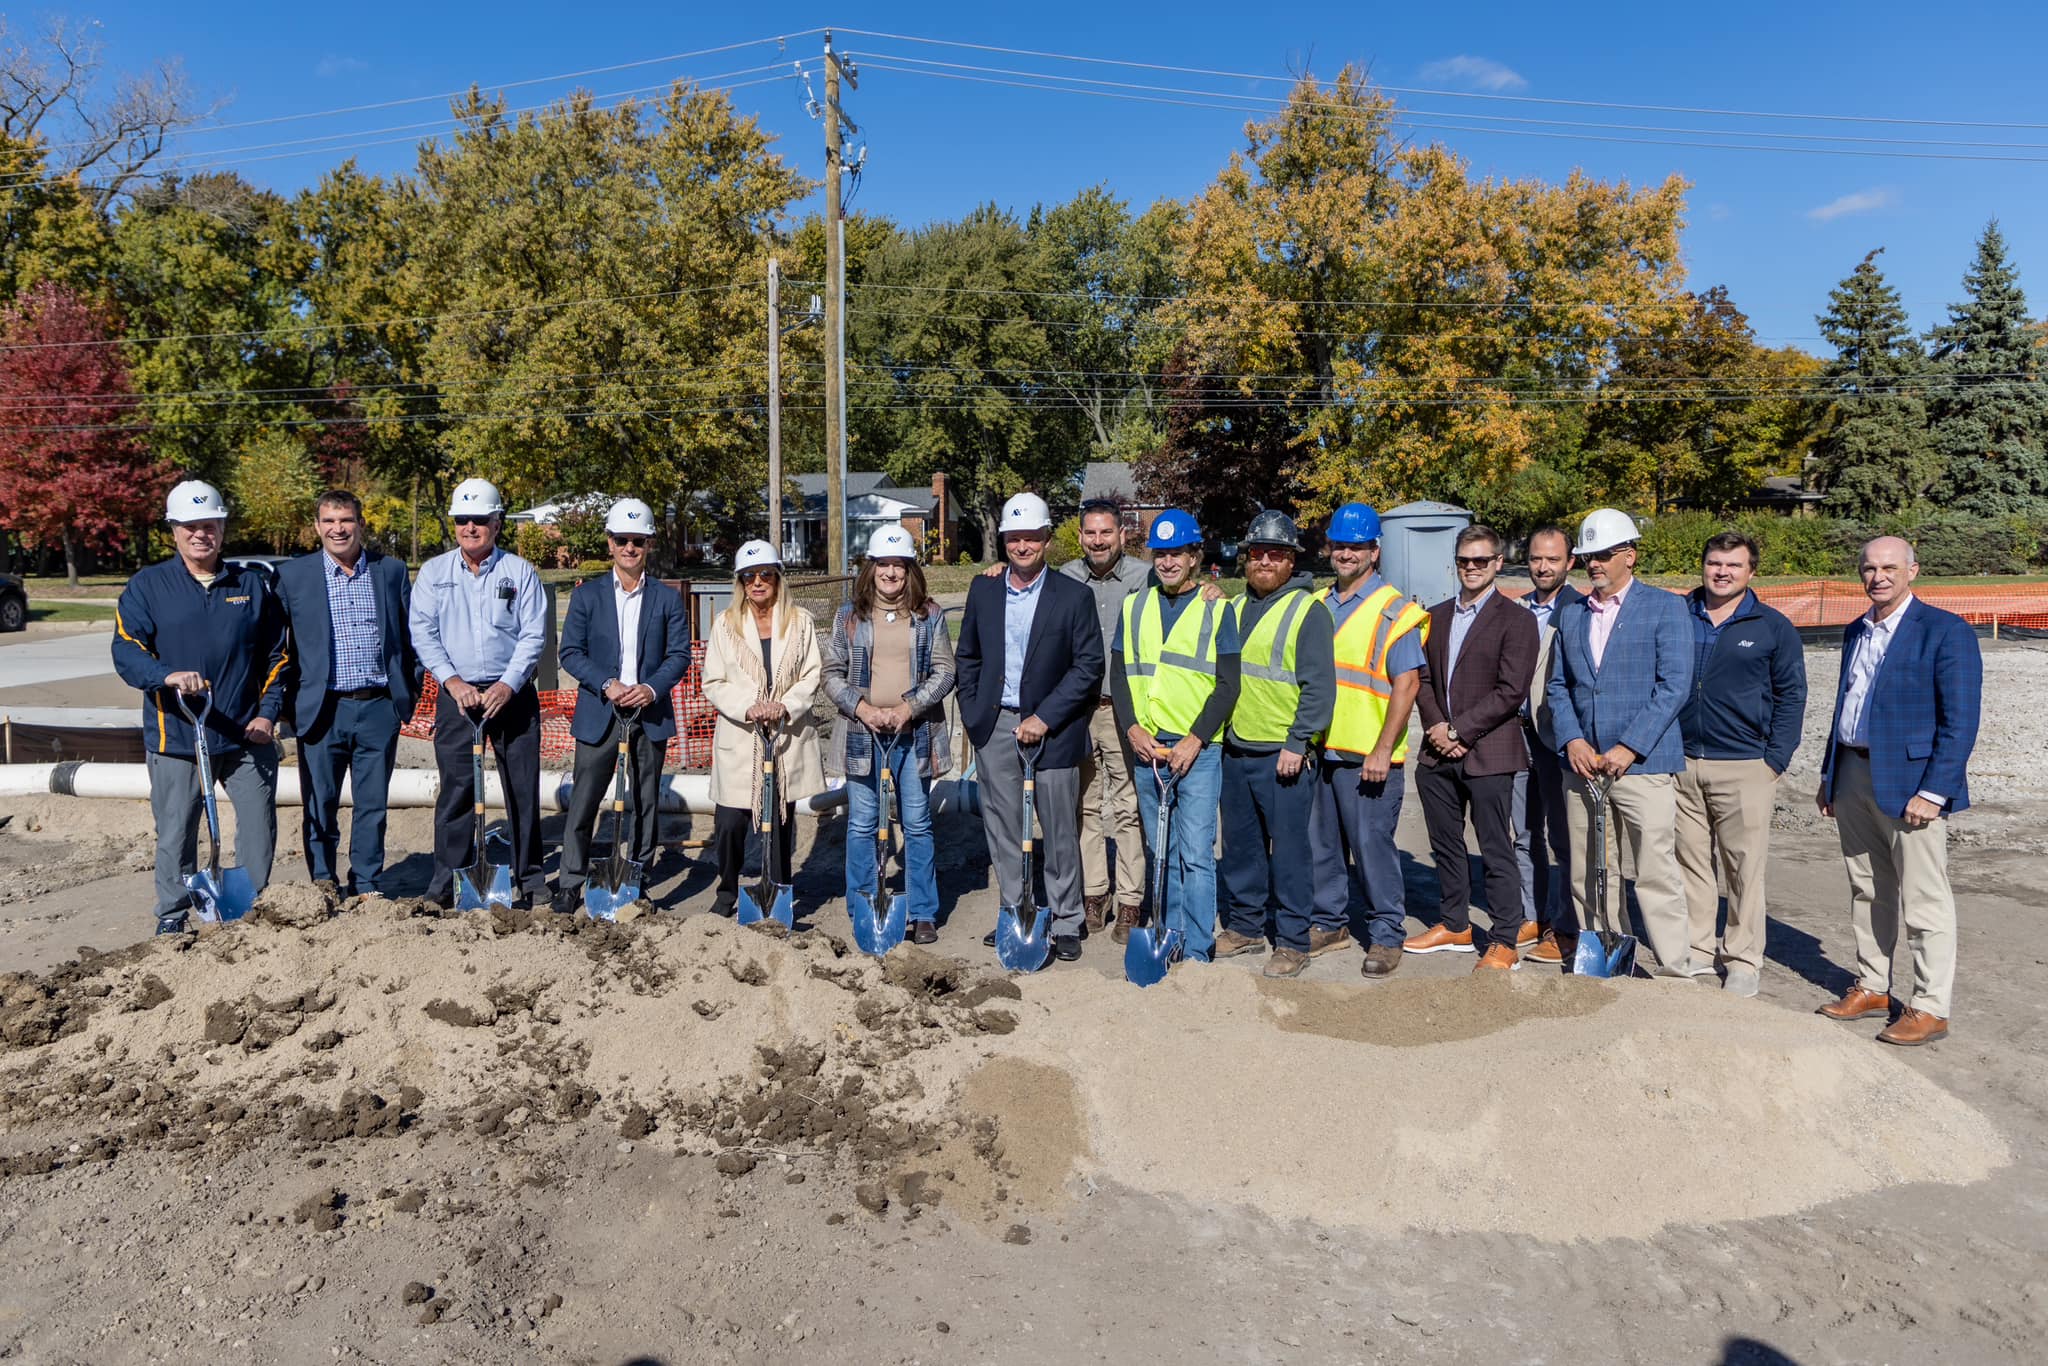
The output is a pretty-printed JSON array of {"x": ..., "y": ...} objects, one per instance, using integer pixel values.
[
  {"x": 1278, "y": 664},
  {"x": 1169, "y": 687},
  {"x": 1270, "y": 688}
]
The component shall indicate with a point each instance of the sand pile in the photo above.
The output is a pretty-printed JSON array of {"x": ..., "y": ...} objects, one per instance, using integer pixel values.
[{"x": 1556, "y": 1107}]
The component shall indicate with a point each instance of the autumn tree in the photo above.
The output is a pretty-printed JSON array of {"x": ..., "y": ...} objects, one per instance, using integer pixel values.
[
  {"x": 274, "y": 488},
  {"x": 74, "y": 468},
  {"x": 1874, "y": 456}
]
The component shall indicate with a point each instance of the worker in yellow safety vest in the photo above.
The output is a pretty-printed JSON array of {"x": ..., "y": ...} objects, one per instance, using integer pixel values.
[
  {"x": 1174, "y": 680},
  {"x": 1361, "y": 777},
  {"x": 1284, "y": 703}
]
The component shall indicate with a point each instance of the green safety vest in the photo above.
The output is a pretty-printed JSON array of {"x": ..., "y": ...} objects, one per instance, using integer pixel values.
[
  {"x": 1270, "y": 692},
  {"x": 1170, "y": 675}
]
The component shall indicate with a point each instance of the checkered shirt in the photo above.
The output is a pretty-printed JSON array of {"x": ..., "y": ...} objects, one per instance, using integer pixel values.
[{"x": 352, "y": 605}]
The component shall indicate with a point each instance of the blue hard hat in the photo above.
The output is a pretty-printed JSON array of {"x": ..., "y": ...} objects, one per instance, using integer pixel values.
[
  {"x": 1353, "y": 524},
  {"x": 1173, "y": 529}
]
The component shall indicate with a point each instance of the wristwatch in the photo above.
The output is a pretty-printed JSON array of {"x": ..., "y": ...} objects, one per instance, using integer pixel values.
[{"x": 1451, "y": 734}]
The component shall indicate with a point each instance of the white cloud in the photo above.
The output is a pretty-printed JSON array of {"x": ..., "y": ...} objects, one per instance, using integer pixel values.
[
  {"x": 331, "y": 66},
  {"x": 1477, "y": 73},
  {"x": 1862, "y": 201}
]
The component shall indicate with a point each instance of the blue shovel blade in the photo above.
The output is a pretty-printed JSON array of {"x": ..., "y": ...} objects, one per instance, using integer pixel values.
[
  {"x": 1148, "y": 953},
  {"x": 483, "y": 884},
  {"x": 206, "y": 896},
  {"x": 781, "y": 909},
  {"x": 1022, "y": 949},
  {"x": 1597, "y": 957},
  {"x": 237, "y": 893},
  {"x": 876, "y": 934}
]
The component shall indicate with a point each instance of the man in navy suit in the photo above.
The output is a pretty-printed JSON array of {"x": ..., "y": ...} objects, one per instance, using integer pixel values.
[
  {"x": 625, "y": 604},
  {"x": 1905, "y": 722},
  {"x": 357, "y": 681},
  {"x": 1624, "y": 667},
  {"x": 1030, "y": 668}
]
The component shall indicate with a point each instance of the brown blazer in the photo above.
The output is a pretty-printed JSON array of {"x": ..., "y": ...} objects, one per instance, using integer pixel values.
[{"x": 1487, "y": 688}]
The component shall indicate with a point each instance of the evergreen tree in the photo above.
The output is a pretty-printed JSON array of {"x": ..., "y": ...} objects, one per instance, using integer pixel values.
[
  {"x": 1991, "y": 416},
  {"x": 1875, "y": 455}
]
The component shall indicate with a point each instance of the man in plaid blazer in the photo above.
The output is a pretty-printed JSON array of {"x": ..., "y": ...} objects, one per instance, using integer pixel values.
[
  {"x": 1624, "y": 667},
  {"x": 1905, "y": 722}
]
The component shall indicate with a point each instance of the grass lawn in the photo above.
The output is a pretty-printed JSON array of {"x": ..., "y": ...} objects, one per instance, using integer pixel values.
[{"x": 69, "y": 611}]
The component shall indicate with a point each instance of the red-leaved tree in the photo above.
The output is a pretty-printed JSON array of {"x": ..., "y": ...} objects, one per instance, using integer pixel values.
[{"x": 73, "y": 465}]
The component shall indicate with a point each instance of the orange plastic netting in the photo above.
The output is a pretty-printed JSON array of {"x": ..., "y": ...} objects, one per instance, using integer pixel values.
[{"x": 1830, "y": 602}]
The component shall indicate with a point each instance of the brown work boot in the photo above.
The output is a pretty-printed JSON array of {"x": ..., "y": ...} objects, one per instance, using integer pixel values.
[
  {"x": 1527, "y": 935},
  {"x": 1497, "y": 958},
  {"x": 1286, "y": 962},
  {"x": 1229, "y": 944},
  {"x": 1128, "y": 918},
  {"x": 1095, "y": 913},
  {"x": 1380, "y": 960},
  {"x": 1322, "y": 941},
  {"x": 1914, "y": 1028},
  {"x": 1857, "y": 1003},
  {"x": 1547, "y": 950},
  {"x": 1437, "y": 939}
]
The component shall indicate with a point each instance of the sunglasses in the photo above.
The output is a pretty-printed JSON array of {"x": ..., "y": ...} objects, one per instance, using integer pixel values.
[
  {"x": 750, "y": 575},
  {"x": 1475, "y": 561},
  {"x": 472, "y": 521},
  {"x": 637, "y": 542},
  {"x": 1603, "y": 556}
]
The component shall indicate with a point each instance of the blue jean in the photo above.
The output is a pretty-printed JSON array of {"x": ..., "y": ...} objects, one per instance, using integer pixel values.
[
  {"x": 1266, "y": 868},
  {"x": 1357, "y": 817},
  {"x": 357, "y": 737},
  {"x": 1191, "y": 871},
  {"x": 864, "y": 819}
]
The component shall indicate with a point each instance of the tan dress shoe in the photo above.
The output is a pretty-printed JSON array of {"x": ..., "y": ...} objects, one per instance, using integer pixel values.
[
  {"x": 1527, "y": 935},
  {"x": 1497, "y": 958},
  {"x": 1857, "y": 1003},
  {"x": 1914, "y": 1028},
  {"x": 1437, "y": 939},
  {"x": 1546, "y": 951}
]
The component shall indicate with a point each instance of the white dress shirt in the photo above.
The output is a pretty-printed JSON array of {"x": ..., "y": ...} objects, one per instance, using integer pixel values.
[
  {"x": 1854, "y": 727},
  {"x": 629, "y": 600}
]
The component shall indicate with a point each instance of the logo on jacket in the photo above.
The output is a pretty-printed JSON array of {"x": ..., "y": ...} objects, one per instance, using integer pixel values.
[{"x": 1745, "y": 644}]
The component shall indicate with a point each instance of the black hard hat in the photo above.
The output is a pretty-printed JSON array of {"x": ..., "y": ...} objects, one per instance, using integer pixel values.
[{"x": 1273, "y": 527}]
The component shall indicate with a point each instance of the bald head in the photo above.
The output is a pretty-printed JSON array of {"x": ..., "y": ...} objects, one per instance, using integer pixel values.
[{"x": 1887, "y": 567}]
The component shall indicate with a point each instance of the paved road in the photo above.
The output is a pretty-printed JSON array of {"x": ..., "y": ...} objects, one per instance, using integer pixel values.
[{"x": 55, "y": 659}]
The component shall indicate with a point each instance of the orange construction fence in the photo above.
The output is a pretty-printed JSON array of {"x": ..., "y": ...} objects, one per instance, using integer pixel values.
[{"x": 1830, "y": 602}]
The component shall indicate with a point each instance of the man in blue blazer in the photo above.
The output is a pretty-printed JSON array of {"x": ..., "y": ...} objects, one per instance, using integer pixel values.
[
  {"x": 1905, "y": 721},
  {"x": 356, "y": 684},
  {"x": 1029, "y": 660},
  {"x": 627, "y": 603},
  {"x": 1624, "y": 666}
]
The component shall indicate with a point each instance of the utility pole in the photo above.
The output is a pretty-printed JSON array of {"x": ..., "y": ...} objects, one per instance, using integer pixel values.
[
  {"x": 775, "y": 404},
  {"x": 835, "y": 310}
]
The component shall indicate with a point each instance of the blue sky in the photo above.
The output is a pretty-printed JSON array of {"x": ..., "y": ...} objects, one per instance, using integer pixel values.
[{"x": 1778, "y": 228}]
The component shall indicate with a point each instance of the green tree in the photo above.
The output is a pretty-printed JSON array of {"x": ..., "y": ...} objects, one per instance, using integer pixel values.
[
  {"x": 1874, "y": 456},
  {"x": 274, "y": 488},
  {"x": 1991, "y": 412}
]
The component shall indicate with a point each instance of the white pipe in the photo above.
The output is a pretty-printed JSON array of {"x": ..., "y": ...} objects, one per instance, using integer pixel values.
[{"x": 688, "y": 793}]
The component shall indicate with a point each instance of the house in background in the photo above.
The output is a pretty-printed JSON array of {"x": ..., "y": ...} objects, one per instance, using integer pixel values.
[
  {"x": 1111, "y": 479},
  {"x": 872, "y": 500}
]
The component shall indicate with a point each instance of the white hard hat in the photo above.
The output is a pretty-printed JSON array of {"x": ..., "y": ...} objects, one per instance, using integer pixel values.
[
  {"x": 756, "y": 555},
  {"x": 891, "y": 542},
  {"x": 475, "y": 498},
  {"x": 629, "y": 517},
  {"x": 1604, "y": 529},
  {"x": 1026, "y": 512},
  {"x": 194, "y": 501}
]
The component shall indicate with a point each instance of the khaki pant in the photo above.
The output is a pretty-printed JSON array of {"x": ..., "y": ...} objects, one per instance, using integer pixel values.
[
  {"x": 1895, "y": 873},
  {"x": 1725, "y": 803},
  {"x": 1642, "y": 818},
  {"x": 1108, "y": 799}
]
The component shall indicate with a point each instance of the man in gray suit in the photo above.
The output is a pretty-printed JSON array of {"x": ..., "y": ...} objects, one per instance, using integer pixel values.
[{"x": 1543, "y": 849}]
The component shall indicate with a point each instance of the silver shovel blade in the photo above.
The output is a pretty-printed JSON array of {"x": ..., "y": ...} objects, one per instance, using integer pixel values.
[
  {"x": 206, "y": 897},
  {"x": 483, "y": 884},
  {"x": 604, "y": 897},
  {"x": 1148, "y": 953},
  {"x": 1604, "y": 955},
  {"x": 876, "y": 932},
  {"x": 1021, "y": 947},
  {"x": 781, "y": 908}
]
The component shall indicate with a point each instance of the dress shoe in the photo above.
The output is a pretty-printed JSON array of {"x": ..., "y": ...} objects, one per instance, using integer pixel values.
[
  {"x": 1547, "y": 951},
  {"x": 923, "y": 932},
  {"x": 989, "y": 940},
  {"x": 727, "y": 906},
  {"x": 1437, "y": 939},
  {"x": 173, "y": 922},
  {"x": 1914, "y": 1028},
  {"x": 1741, "y": 981},
  {"x": 1229, "y": 944},
  {"x": 1857, "y": 1003},
  {"x": 1497, "y": 958},
  {"x": 1128, "y": 918},
  {"x": 1286, "y": 962},
  {"x": 1095, "y": 912},
  {"x": 1381, "y": 960},
  {"x": 1527, "y": 935},
  {"x": 567, "y": 900},
  {"x": 1066, "y": 947},
  {"x": 1322, "y": 941}
]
